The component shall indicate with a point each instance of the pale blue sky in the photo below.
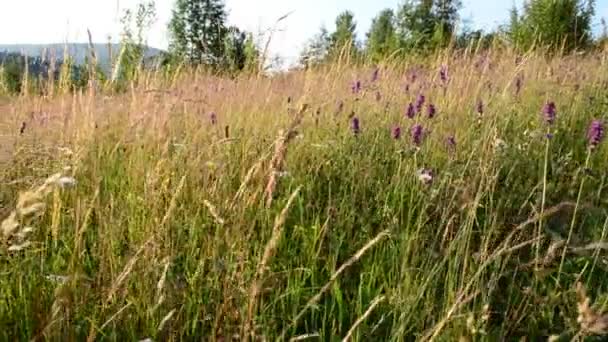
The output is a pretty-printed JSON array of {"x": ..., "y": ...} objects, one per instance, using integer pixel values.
[{"x": 45, "y": 21}]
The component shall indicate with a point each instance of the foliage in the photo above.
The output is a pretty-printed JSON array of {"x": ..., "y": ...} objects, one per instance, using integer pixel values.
[
  {"x": 563, "y": 25},
  {"x": 198, "y": 31},
  {"x": 133, "y": 43},
  {"x": 316, "y": 49},
  {"x": 343, "y": 41},
  {"x": 427, "y": 24},
  {"x": 381, "y": 38}
]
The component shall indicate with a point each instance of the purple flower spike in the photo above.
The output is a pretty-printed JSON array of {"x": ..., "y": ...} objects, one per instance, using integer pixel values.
[
  {"x": 417, "y": 134},
  {"x": 431, "y": 111},
  {"x": 375, "y": 75},
  {"x": 396, "y": 132},
  {"x": 480, "y": 107},
  {"x": 549, "y": 111},
  {"x": 411, "y": 111},
  {"x": 443, "y": 74},
  {"x": 595, "y": 134},
  {"x": 419, "y": 103},
  {"x": 356, "y": 87},
  {"x": 451, "y": 141},
  {"x": 213, "y": 118},
  {"x": 354, "y": 125}
]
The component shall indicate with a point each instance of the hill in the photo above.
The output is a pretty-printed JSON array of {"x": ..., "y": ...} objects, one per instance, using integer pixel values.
[{"x": 78, "y": 51}]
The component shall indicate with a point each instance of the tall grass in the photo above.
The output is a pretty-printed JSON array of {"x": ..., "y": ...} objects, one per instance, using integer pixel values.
[{"x": 271, "y": 219}]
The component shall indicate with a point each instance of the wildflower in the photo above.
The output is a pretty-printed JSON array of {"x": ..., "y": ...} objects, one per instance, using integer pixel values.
[
  {"x": 451, "y": 141},
  {"x": 480, "y": 107},
  {"x": 375, "y": 75},
  {"x": 213, "y": 118},
  {"x": 500, "y": 144},
  {"x": 417, "y": 134},
  {"x": 431, "y": 111},
  {"x": 443, "y": 74},
  {"x": 595, "y": 134},
  {"x": 549, "y": 112},
  {"x": 411, "y": 111},
  {"x": 66, "y": 182},
  {"x": 419, "y": 103},
  {"x": 426, "y": 176},
  {"x": 356, "y": 87},
  {"x": 396, "y": 132},
  {"x": 354, "y": 125}
]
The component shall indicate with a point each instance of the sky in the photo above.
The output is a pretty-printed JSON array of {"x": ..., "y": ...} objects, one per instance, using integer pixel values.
[{"x": 45, "y": 21}]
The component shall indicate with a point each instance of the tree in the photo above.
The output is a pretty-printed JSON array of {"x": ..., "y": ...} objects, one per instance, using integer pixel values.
[
  {"x": 198, "y": 30},
  {"x": 381, "y": 38},
  {"x": 427, "y": 23},
  {"x": 556, "y": 25},
  {"x": 316, "y": 50},
  {"x": 133, "y": 41},
  {"x": 241, "y": 52},
  {"x": 446, "y": 16},
  {"x": 344, "y": 38}
]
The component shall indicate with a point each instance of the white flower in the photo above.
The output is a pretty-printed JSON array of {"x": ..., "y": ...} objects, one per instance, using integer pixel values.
[
  {"x": 425, "y": 176},
  {"x": 57, "y": 278},
  {"x": 500, "y": 144},
  {"x": 66, "y": 182}
]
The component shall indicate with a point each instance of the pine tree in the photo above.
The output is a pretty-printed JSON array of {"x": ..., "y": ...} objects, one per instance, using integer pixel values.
[
  {"x": 344, "y": 39},
  {"x": 198, "y": 31},
  {"x": 381, "y": 38},
  {"x": 556, "y": 25}
]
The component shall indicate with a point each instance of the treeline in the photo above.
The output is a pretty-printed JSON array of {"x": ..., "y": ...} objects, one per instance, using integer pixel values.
[
  {"x": 199, "y": 36},
  {"x": 422, "y": 26}
]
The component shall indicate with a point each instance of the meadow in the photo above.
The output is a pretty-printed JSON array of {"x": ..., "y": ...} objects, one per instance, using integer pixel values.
[{"x": 459, "y": 196}]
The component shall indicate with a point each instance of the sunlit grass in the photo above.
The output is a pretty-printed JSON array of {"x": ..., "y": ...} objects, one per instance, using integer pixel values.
[{"x": 274, "y": 220}]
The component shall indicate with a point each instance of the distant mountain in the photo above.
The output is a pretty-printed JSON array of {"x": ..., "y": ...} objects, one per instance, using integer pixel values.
[{"x": 78, "y": 51}]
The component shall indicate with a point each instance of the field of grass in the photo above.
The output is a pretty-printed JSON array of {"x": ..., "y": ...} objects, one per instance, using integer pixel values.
[{"x": 303, "y": 207}]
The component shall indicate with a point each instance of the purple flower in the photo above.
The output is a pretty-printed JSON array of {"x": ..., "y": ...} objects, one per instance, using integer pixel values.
[
  {"x": 375, "y": 75},
  {"x": 417, "y": 134},
  {"x": 356, "y": 87},
  {"x": 479, "y": 107},
  {"x": 354, "y": 125},
  {"x": 396, "y": 132},
  {"x": 595, "y": 134},
  {"x": 451, "y": 141},
  {"x": 213, "y": 118},
  {"x": 411, "y": 111},
  {"x": 549, "y": 111},
  {"x": 443, "y": 74},
  {"x": 431, "y": 110},
  {"x": 419, "y": 103}
]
